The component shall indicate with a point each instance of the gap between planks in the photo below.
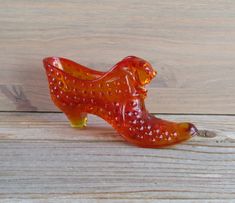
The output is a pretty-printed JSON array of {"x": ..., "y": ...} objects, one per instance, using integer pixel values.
[{"x": 154, "y": 113}]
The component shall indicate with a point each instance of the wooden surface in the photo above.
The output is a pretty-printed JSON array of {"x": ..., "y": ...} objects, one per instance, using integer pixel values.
[
  {"x": 190, "y": 43},
  {"x": 43, "y": 158},
  {"x": 192, "y": 46}
]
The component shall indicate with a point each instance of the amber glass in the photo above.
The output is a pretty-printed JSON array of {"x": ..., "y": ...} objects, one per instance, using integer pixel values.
[{"x": 117, "y": 96}]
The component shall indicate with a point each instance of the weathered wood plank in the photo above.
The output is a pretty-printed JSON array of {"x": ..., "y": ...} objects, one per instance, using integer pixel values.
[
  {"x": 43, "y": 158},
  {"x": 191, "y": 43},
  {"x": 50, "y": 126},
  {"x": 74, "y": 199}
]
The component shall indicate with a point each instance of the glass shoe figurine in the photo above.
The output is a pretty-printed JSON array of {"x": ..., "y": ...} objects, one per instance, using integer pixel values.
[{"x": 117, "y": 96}]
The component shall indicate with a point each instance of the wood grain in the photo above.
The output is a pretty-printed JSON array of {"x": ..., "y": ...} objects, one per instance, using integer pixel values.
[
  {"x": 42, "y": 159},
  {"x": 191, "y": 44}
]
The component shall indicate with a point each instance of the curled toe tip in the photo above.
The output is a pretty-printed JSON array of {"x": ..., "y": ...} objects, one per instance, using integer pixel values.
[
  {"x": 189, "y": 128},
  {"x": 193, "y": 131}
]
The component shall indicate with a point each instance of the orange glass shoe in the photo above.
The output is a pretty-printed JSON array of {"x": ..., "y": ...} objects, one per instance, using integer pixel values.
[{"x": 117, "y": 96}]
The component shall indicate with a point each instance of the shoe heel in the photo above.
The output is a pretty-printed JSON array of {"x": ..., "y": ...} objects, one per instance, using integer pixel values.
[{"x": 77, "y": 118}]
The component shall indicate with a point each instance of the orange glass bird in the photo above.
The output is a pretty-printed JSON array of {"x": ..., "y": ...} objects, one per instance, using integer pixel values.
[{"x": 117, "y": 96}]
